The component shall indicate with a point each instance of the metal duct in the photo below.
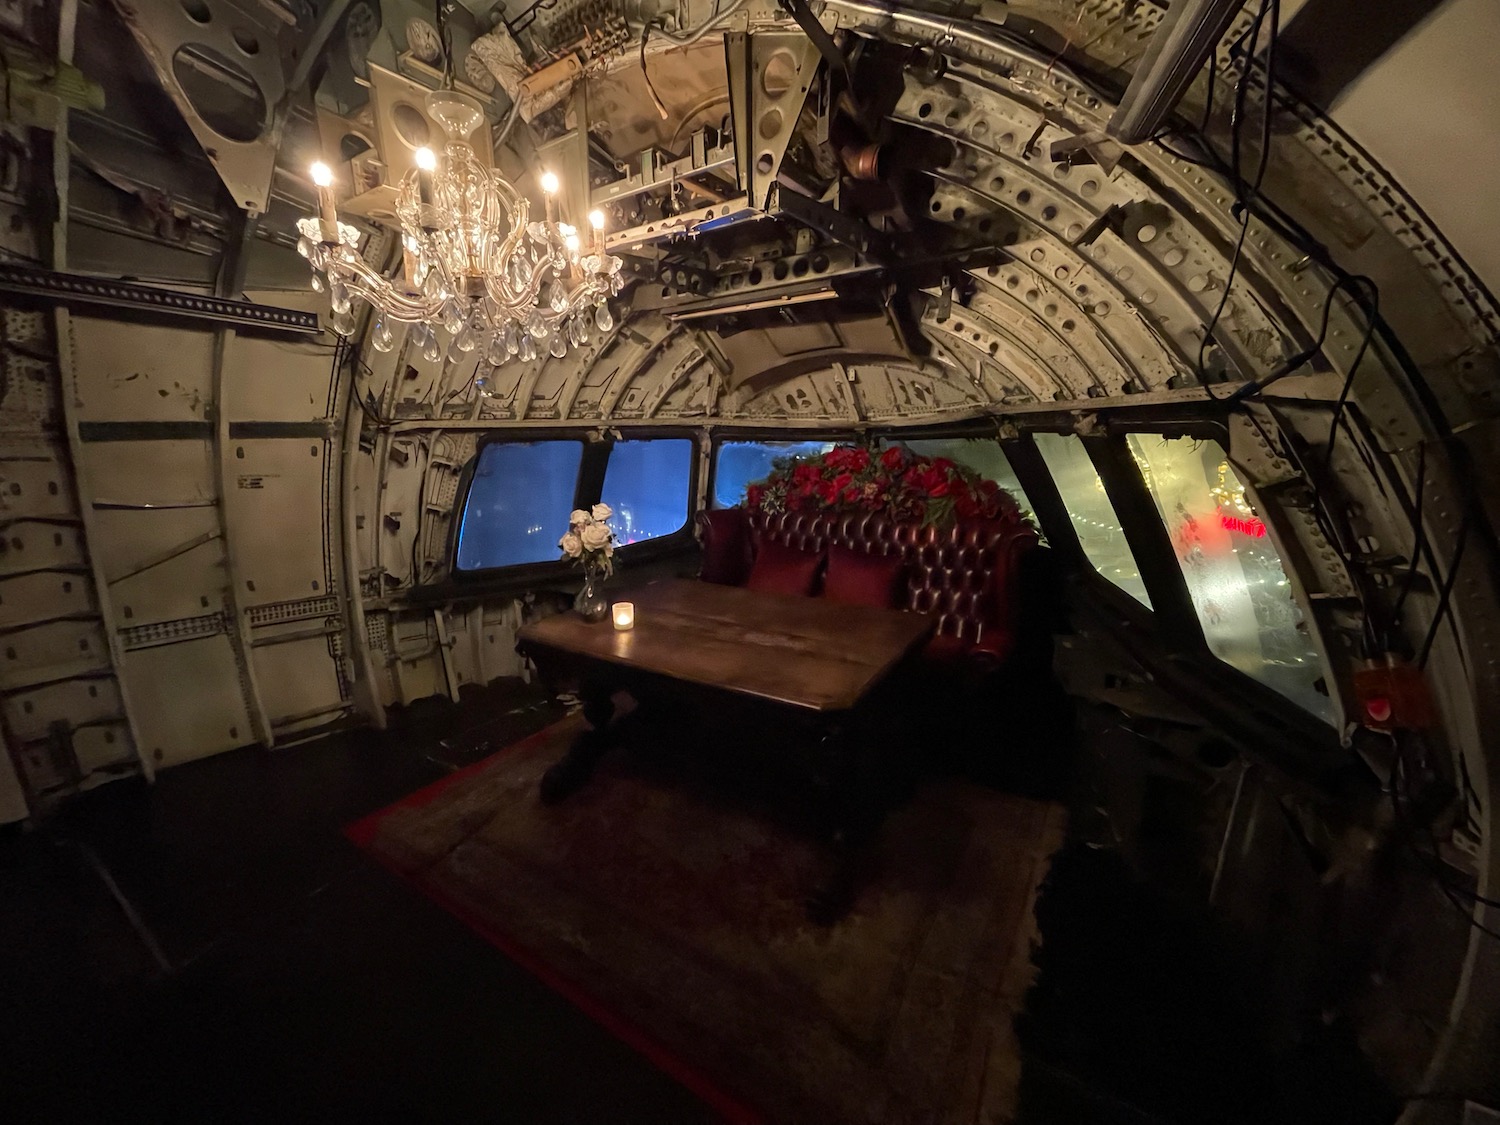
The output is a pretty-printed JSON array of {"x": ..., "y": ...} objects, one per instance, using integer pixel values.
[{"x": 1180, "y": 47}]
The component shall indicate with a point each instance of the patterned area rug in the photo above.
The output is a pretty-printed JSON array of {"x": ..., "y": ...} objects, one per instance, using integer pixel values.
[{"x": 677, "y": 917}]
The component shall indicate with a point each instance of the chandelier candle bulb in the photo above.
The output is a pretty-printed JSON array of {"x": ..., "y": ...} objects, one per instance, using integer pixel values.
[
  {"x": 596, "y": 220},
  {"x": 624, "y": 615},
  {"x": 328, "y": 219},
  {"x": 549, "y": 192},
  {"x": 426, "y": 165}
]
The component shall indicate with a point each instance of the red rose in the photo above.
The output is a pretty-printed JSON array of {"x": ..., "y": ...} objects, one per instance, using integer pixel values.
[
  {"x": 966, "y": 506},
  {"x": 938, "y": 490},
  {"x": 931, "y": 479},
  {"x": 826, "y": 491},
  {"x": 912, "y": 478},
  {"x": 754, "y": 495},
  {"x": 805, "y": 474},
  {"x": 892, "y": 457},
  {"x": 988, "y": 487},
  {"x": 859, "y": 460},
  {"x": 843, "y": 481},
  {"x": 943, "y": 465}
]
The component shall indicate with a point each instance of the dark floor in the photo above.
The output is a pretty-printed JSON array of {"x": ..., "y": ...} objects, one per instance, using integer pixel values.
[
  {"x": 301, "y": 981},
  {"x": 278, "y": 974}
]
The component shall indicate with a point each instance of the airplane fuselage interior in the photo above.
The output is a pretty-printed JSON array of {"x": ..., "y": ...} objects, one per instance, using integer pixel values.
[{"x": 750, "y": 560}]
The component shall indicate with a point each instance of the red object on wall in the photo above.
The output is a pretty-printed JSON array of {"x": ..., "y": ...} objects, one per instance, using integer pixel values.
[
  {"x": 1245, "y": 525},
  {"x": 1392, "y": 695}
]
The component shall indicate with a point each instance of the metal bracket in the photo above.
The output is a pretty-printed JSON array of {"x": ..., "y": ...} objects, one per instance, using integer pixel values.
[
  {"x": 242, "y": 50},
  {"x": 770, "y": 74}
]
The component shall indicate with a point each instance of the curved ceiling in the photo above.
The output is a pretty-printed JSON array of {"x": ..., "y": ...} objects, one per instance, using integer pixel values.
[{"x": 1098, "y": 294}]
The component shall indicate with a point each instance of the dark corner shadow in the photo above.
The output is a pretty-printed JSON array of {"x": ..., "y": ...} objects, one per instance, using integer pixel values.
[{"x": 1328, "y": 44}]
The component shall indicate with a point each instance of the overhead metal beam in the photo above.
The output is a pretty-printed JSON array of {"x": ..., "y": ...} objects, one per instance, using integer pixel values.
[{"x": 104, "y": 292}]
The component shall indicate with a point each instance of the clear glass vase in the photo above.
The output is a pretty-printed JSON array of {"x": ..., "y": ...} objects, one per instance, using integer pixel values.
[{"x": 591, "y": 603}]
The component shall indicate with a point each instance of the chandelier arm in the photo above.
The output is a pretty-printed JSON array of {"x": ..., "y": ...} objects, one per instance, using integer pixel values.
[{"x": 366, "y": 282}]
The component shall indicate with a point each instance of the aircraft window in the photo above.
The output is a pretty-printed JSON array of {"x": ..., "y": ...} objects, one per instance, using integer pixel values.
[
  {"x": 518, "y": 503},
  {"x": 983, "y": 455},
  {"x": 647, "y": 485},
  {"x": 737, "y": 463},
  {"x": 1094, "y": 520},
  {"x": 1240, "y": 591}
]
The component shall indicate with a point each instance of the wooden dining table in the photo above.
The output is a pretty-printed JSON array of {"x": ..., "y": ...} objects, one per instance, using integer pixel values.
[{"x": 807, "y": 663}]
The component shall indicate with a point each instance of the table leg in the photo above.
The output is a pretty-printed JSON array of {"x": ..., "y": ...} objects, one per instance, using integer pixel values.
[
  {"x": 852, "y": 816},
  {"x": 573, "y": 771}
]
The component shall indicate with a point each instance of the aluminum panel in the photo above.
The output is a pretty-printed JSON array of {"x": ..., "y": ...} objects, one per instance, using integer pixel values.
[
  {"x": 276, "y": 503},
  {"x": 29, "y": 713},
  {"x": 129, "y": 372},
  {"x": 281, "y": 380},
  {"x": 296, "y": 677},
  {"x": 187, "y": 700},
  {"x": 43, "y": 596}
]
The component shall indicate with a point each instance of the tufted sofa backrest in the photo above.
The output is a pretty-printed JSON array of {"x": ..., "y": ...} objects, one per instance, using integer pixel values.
[{"x": 967, "y": 575}]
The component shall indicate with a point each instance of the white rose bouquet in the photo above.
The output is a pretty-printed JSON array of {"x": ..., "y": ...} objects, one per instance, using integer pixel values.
[{"x": 590, "y": 541}]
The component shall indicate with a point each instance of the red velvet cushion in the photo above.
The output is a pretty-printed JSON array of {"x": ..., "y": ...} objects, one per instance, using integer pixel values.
[
  {"x": 780, "y": 569},
  {"x": 726, "y": 546},
  {"x": 855, "y": 578}
]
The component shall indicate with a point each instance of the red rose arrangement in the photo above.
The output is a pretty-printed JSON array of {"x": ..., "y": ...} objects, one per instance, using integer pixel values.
[{"x": 895, "y": 481}]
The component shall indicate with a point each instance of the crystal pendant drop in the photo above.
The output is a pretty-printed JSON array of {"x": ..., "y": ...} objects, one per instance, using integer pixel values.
[
  {"x": 527, "y": 349},
  {"x": 318, "y": 284},
  {"x": 582, "y": 320},
  {"x": 511, "y": 339},
  {"x": 381, "y": 338},
  {"x": 455, "y": 352},
  {"x": 559, "y": 301},
  {"x": 453, "y": 318},
  {"x": 432, "y": 351},
  {"x": 432, "y": 284},
  {"x": 602, "y": 317},
  {"x": 338, "y": 297},
  {"x": 537, "y": 325},
  {"x": 467, "y": 339},
  {"x": 495, "y": 354},
  {"x": 305, "y": 246},
  {"x": 342, "y": 322},
  {"x": 575, "y": 332},
  {"x": 559, "y": 346}
]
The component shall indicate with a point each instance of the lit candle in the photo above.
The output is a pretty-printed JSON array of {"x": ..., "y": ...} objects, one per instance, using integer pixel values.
[
  {"x": 426, "y": 165},
  {"x": 596, "y": 220},
  {"x": 624, "y": 615},
  {"x": 549, "y": 192},
  {"x": 570, "y": 241},
  {"x": 328, "y": 219},
  {"x": 409, "y": 250}
]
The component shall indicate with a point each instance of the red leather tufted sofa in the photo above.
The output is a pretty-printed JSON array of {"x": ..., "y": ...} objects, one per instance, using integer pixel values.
[{"x": 969, "y": 576}]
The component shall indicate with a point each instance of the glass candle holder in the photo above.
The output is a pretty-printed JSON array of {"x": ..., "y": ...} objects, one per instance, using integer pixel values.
[{"x": 623, "y": 615}]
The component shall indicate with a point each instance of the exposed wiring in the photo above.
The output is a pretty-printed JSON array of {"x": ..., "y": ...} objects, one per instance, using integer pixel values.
[
  {"x": 1431, "y": 864},
  {"x": 1445, "y": 598},
  {"x": 681, "y": 39},
  {"x": 1419, "y": 541},
  {"x": 691, "y": 35},
  {"x": 646, "y": 73},
  {"x": 1372, "y": 313}
]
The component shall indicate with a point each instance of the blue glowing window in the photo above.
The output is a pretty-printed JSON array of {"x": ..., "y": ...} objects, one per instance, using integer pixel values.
[
  {"x": 740, "y": 462},
  {"x": 519, "y": 503},
  {"x": 647, "y": 484}
]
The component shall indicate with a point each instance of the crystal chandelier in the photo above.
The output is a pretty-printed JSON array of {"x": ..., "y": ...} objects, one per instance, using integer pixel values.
[{"x": 473, "y": 264}]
